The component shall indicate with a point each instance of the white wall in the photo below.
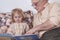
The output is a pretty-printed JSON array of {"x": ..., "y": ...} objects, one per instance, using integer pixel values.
[{"x": 8, "y": 5}]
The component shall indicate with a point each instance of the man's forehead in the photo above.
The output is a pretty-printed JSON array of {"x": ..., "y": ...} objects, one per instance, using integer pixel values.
[{"x": 34, "y": 1}]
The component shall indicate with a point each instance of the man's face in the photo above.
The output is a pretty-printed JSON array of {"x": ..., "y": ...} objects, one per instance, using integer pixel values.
[
  {"x": 38, "y": 4},
  {"x": 34, "y": 4}
]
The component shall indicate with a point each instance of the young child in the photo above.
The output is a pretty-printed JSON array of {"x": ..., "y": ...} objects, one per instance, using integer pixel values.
[{"x": 17, "y": 27}]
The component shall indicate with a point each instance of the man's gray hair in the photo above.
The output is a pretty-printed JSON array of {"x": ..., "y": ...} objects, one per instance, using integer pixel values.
[{"x": 43, "y": 0}]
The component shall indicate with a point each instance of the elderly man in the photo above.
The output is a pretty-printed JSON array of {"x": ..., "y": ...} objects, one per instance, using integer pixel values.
[{"x": 48, "y": 17}]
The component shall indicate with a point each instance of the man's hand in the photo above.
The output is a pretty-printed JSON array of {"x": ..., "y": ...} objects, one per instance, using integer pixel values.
[{"x": 31, "y": 31}]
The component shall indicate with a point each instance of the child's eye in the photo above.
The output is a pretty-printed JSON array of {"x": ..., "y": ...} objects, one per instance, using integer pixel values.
[
  {"x": 19, "y": 17},
  {"x": 15, "y": 17}
]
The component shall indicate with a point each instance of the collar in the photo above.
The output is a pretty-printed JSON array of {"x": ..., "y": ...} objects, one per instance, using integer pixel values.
[{"x": 46, "y": 4}]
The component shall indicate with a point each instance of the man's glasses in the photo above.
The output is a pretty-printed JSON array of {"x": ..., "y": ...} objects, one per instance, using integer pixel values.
[{"x": 35, "y": 4}]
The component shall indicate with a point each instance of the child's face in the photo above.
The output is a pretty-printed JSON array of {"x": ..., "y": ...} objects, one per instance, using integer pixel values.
[{"x": 17, "y": 18}]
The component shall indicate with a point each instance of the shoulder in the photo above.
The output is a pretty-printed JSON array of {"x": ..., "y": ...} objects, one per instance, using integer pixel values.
[
  {"x": 56, "y": 4},
  {"x": 53, "y": 5}
]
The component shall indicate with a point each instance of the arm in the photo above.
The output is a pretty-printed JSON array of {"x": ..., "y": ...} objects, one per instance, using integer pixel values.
[{"x": 45, "y": 26}]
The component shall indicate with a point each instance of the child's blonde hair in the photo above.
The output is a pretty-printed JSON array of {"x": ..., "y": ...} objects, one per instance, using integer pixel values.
[{"x": 19, "y": 11}]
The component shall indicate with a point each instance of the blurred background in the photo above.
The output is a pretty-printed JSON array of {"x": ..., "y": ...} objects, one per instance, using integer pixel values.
[{"x": 8, "y": 5}]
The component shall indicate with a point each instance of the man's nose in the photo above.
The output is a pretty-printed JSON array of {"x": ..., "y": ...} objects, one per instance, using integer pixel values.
[
  {"x": 34, "y": 5},
  {"x": 36, "y": 8}
]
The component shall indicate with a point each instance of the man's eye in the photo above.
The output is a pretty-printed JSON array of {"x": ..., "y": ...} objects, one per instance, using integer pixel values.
[{"x": 34, "y": 4}]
